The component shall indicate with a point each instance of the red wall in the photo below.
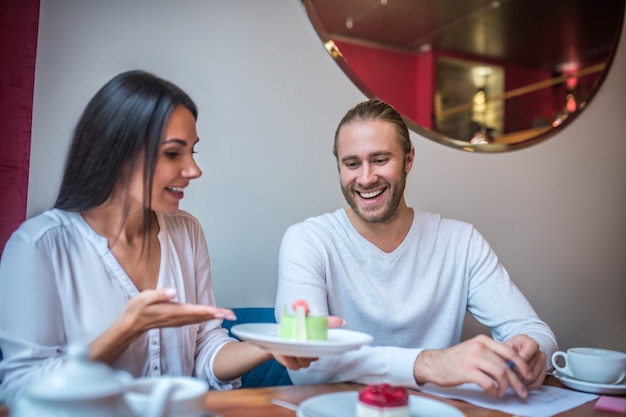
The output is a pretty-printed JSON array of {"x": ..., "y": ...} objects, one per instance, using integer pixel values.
[
  {"x": 19, "y": 20},
  {"x": 391, "y": 76},
  {"x": 525, "y": 111}
]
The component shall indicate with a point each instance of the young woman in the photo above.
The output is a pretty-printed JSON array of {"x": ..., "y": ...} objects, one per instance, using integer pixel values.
[{"x": 116, "y": 265}]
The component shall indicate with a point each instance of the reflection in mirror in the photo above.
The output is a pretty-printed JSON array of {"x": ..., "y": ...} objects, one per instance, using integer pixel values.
[{"x": 478, "y": 75}]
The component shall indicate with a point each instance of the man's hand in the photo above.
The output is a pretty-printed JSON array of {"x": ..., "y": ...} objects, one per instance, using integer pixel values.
[
  {"x": 529, "y": 351},
  {"x": 492, "y": 365}
]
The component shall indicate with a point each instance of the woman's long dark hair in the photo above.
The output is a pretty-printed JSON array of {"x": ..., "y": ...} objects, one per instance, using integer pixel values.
[{"x": 121, "y": 123}]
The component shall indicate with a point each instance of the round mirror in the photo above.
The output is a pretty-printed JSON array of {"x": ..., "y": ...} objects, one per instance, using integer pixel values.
[{"x": 478, "y": 75}]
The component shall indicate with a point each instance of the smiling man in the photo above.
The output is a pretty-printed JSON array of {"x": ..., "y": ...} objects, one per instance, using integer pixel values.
[{"x": 406, "y": 277}]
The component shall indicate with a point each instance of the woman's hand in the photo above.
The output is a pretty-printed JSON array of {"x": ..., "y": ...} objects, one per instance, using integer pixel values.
[
  {"x": 157, "y": 308},
  {"x": 148, "y": 310},
  {"x": 334, "y": 322},
  {"x": 294, "y": 362}
]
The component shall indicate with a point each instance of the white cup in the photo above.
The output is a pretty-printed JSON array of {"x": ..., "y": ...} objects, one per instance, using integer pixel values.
[
  {"x": 600, "y": 366},
  {"x": 186, "y": 396}
]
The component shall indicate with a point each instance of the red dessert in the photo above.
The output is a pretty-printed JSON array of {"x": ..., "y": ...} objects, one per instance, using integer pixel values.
[{"x": 383, "y": 400}]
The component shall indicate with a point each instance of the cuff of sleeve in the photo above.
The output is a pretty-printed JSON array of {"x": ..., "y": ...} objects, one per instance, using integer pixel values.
[{"x": 401, "y": 362}]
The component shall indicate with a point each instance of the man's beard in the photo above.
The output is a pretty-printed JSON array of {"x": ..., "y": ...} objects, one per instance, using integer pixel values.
[{"x": 388, "y": 213}]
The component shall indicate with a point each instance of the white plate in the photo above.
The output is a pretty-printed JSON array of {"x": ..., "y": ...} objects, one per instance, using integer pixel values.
[
  {"x": 592, "y": 387},
  {"x": 265, "y": 335},
  {"x": 344, "y": 404}
]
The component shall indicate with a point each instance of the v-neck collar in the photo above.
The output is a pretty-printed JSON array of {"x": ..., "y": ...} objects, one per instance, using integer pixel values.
[{"x": 374, "y": 250}]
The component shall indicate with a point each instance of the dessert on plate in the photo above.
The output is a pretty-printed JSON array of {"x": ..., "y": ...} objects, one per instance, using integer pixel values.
[
  {"x": 302, "y": 325},
  {"x": 383, "y": 400}
]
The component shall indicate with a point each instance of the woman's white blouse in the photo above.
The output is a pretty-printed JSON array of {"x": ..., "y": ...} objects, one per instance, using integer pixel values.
[{"x": 60, "y": 284}]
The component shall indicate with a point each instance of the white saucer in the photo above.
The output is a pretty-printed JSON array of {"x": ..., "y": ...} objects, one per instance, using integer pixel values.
[
  {"x": 265, "y": 335},
  {"x": 344, "y": 404},
  {"x": 592, "y": 387}
]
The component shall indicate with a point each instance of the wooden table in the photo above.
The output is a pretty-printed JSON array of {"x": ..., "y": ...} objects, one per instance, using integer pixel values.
[{"x": 255, "y": 401}]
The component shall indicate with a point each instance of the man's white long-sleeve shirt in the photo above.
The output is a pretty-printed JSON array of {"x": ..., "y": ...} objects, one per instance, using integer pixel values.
[{"x": 411, "y": 299}]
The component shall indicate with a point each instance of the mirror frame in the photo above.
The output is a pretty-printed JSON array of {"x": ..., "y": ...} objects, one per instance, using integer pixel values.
[{"x": 438, "y": 137}]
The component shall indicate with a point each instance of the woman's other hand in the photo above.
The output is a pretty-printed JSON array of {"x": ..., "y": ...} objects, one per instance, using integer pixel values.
[{"x": 294, "y": 362}]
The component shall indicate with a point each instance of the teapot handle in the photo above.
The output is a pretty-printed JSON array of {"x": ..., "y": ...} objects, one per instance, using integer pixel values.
[{"x": 159, "y": 399}]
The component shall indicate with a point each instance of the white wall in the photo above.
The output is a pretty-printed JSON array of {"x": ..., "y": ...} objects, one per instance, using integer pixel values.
[{"x": 270, "y": 98}]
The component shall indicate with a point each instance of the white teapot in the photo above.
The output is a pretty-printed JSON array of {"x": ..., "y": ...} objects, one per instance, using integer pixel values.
[{"x": 85, "y": 388}]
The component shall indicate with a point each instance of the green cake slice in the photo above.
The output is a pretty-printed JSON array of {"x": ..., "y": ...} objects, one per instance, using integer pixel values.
[{"x": 301, "y": 325}]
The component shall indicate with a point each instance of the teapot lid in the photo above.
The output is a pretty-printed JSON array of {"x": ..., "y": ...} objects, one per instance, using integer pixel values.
[{"x": 78, "y": 378}]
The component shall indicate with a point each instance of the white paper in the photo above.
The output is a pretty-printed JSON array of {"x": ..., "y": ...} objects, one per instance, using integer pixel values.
[{"x": 544, "y": 402}]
